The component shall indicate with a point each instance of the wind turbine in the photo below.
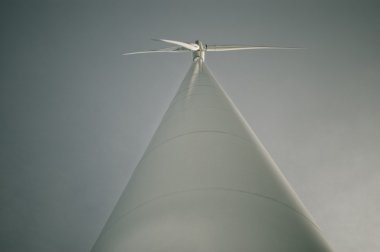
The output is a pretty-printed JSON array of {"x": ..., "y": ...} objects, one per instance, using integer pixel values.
[
  {"x": 205, "y": 182},
  {"x": 199, "y": 49}
]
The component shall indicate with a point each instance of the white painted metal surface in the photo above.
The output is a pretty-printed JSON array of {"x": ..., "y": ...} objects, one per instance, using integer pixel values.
[{"x": 206, "y": 184}]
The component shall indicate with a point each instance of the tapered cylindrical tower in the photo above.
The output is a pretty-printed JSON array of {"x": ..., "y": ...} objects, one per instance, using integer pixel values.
[{"x": 206, "y": 184}]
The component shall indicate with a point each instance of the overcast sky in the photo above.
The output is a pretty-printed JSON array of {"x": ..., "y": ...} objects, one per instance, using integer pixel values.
[{"x": 76, "y": 116}]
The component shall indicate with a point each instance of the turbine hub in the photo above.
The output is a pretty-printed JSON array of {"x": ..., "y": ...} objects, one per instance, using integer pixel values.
[{"x": 200, "y": 53}]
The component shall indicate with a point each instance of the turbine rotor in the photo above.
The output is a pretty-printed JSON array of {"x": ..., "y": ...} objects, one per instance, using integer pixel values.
[{"x": 198, "y": 48}]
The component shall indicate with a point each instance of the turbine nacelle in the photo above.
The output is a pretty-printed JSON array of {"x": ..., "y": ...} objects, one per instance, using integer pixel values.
[
  {"x": 200, "y": 53},
  {"x": 198, "y": 48}
]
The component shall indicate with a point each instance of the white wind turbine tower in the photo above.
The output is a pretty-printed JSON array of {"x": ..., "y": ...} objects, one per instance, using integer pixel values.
[{"x": 205, "y": 182}]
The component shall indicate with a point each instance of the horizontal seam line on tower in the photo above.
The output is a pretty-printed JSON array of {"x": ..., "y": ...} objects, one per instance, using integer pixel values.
[
  {"x": 191, "y": 133},
  {"x": 181, "y": 98},
  {"x": 209, "y": 189},
  {"x": 192, "y": 86},
  {"x": 175, "y": 112}
]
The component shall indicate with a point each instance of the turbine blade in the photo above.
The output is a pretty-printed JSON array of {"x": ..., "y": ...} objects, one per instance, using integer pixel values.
[
  {"x": 164, "y": 50},
  {"x": 223, "y": 48},
  {"x": 191, "y": 47}
]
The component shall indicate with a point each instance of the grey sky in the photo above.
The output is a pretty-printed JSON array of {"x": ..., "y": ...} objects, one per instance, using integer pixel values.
[{"x": 76, "y": 116}]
